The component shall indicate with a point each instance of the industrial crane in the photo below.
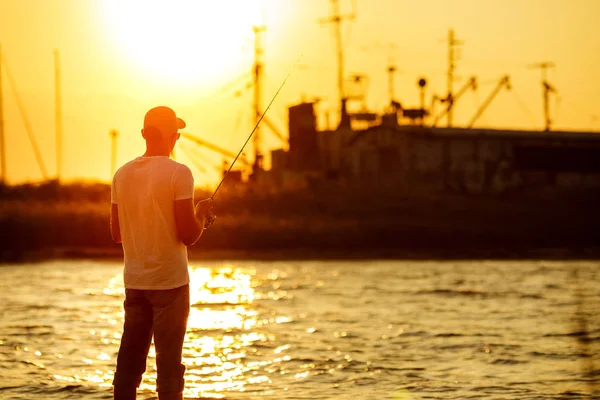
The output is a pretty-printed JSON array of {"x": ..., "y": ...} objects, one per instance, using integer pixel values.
[
  {"x": 471, "y": 83},
  {"x": 210, "y": 146},
  {"x": 503, "y": 82}
]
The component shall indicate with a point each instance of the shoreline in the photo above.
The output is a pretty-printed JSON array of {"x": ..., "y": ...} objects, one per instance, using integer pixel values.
[
  {"x": 328, "y": 225},
  {"x": 115, "y": 254}
]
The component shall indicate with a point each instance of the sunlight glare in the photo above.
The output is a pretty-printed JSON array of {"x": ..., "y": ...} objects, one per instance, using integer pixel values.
[{"x": 181, "y": 41}]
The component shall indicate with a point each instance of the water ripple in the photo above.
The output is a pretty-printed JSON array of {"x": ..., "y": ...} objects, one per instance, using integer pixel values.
[{"x": 376, "y": 330}]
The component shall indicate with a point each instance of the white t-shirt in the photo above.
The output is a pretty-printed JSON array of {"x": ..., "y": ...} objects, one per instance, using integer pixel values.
[{"x": 145, "y": 190}]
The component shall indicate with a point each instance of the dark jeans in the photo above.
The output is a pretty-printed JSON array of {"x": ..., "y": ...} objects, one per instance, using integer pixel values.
[{"x": 163, "y": 313}]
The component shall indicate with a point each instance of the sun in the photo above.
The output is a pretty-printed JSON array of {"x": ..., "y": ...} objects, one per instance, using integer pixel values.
[{"x": 181, "y": 41}]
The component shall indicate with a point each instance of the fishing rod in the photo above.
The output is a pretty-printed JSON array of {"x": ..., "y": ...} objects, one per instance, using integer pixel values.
[{"x": 211, "y": 218}]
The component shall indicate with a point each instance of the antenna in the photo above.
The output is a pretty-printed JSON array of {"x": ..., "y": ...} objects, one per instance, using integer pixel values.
[
  {"x": 453, "y": 43},
  {"x": 547, "y": 88},
  {"x": 336, "y": 18}
]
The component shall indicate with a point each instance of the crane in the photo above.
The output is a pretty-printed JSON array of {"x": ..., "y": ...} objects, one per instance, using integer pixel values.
[
  {"x": 434, "y": 100},
  {"x": 503, "y": 82},
  {"x": 202, "y": 142},
  {"x": 471, "y": 83},
  {"x": 213, "y": 147}
]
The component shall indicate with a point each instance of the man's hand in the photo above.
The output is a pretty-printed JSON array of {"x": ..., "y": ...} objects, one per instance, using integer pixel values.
[{"x": 204, "y": 209}]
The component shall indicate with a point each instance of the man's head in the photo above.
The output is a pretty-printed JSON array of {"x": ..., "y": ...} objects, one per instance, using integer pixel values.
[{"x": 161, "y": 127}]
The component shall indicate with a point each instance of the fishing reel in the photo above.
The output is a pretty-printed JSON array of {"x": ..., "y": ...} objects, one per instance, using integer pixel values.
[
  {"x": 201, "y": 209},
  {"x": 209, "y": 221}
]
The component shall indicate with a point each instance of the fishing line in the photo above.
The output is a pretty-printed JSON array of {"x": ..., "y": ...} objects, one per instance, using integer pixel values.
[{"x": 211, "y": 218}]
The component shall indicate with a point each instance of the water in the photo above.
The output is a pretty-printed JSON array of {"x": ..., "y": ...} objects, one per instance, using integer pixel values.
[{"x": 318, "y": 330}]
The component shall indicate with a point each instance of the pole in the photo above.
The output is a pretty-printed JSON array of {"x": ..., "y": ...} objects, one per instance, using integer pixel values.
[
  {"x": 258, "y": 71},
  {"x": 422, "y": 83},
  {"x": 546, "y": 107},
  {"x": 340, "y": 50},
  {"x": 27, "y": 123},
  {"x": 2, "y": 143},
  {"x": 58, "y": 114},
  {"x": 114, "y": 134},
  {"x": 336, "y": 18},
  {"x": 391, "y": 70},
  {"x": 546, "y": 89},
  {"x": 452, "y": 44}
]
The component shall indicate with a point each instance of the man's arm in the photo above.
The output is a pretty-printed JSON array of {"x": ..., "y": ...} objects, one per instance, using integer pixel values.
[
  {"x": 189, "y": 229},
  {"x": 115, "y": 228}
]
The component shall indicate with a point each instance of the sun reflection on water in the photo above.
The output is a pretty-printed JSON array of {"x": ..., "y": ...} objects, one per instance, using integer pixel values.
[
  {"x": 221, "y": 334},
  {"x": 226, "y": 348},
  {"x": 226, "y": 285},
  {"x": 219, "y": 331}
]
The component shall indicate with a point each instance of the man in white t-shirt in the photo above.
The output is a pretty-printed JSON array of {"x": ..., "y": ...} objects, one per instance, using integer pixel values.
[{"x": 153, "y": 216}]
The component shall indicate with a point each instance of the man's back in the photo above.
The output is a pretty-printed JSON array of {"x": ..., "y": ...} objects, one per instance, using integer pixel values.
[{"x": 144, "y": 190}]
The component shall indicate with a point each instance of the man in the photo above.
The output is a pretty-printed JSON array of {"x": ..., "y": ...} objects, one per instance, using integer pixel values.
[{"x": 153, "y": 216}]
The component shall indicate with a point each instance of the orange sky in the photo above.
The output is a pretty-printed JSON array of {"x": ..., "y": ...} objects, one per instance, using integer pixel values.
[{"x": 109, "y": 78}]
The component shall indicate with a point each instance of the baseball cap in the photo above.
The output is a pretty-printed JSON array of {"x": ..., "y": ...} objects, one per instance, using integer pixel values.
[{"x": 164, "y": 119}]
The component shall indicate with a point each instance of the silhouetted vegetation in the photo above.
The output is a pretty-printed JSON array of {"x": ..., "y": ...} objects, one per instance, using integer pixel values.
[{"x": 50, "y": 220}]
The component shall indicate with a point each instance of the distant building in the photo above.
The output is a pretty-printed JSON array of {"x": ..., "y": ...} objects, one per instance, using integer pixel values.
[
  {"x": 470, "y": 160},
  {"x": 304, "y": 148}
]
